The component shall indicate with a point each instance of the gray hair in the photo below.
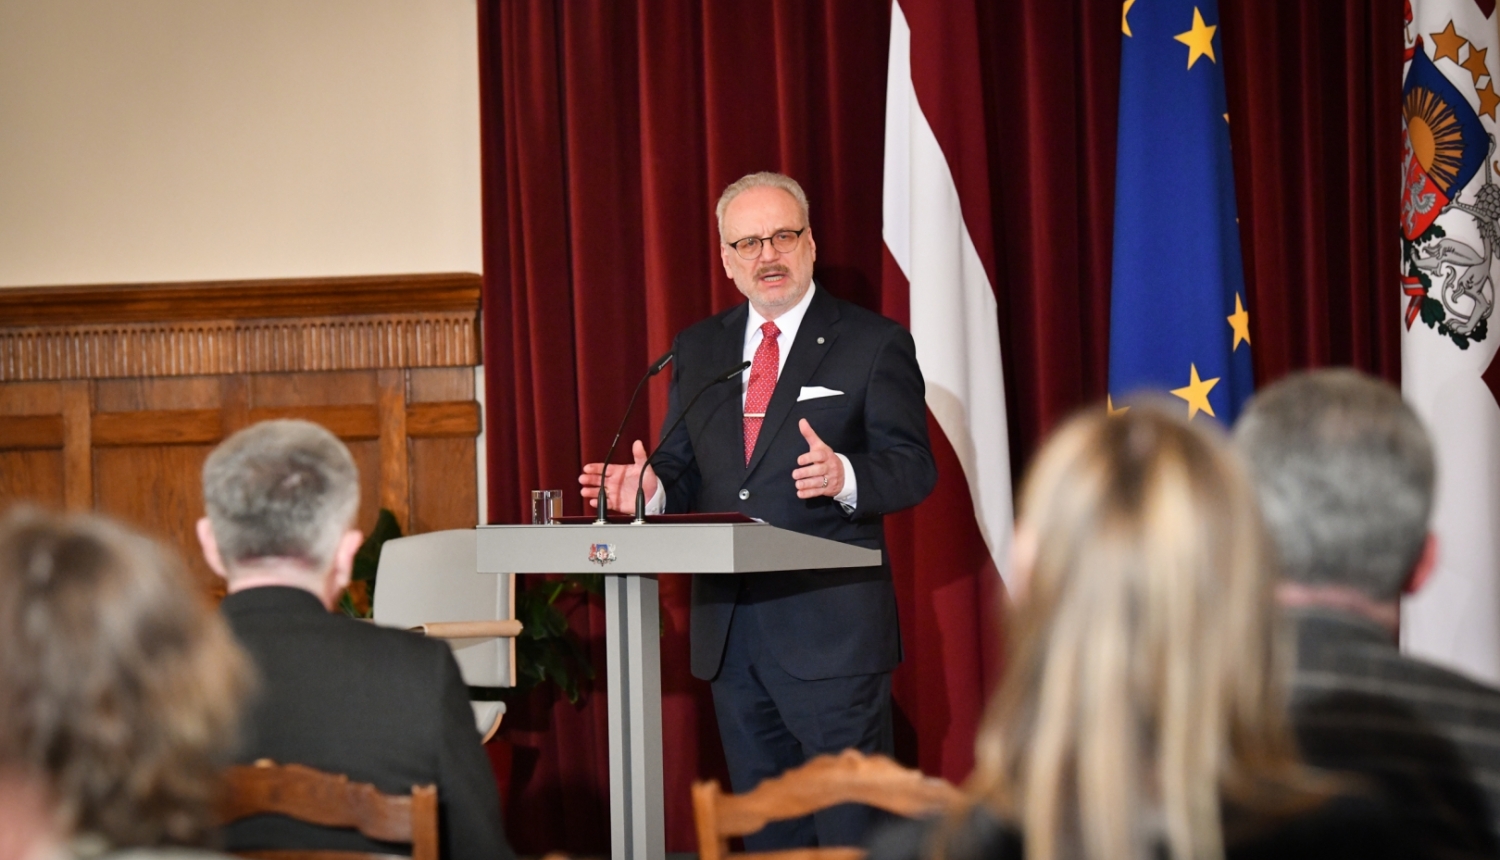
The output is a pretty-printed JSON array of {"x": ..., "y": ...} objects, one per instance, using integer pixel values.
[
  {"x": 280, "y": 489},
  {"x": 764, "y": 179},
  {"x": 1345, "y": 473}
]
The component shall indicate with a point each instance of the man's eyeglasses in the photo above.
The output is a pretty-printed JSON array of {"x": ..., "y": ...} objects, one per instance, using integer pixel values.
[{"x": 782, "y": 240}]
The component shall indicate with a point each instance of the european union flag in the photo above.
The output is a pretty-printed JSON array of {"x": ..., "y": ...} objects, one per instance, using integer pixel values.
[{"x": 1178, "y": 320}]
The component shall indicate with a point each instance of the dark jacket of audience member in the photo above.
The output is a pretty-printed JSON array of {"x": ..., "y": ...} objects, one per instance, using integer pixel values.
[
  {"x": 1143, "y": 714},
  {"x": 1345, "y": 474},
  {"x": 120, "y": 694},
  {"x": 382, "y": 706}
]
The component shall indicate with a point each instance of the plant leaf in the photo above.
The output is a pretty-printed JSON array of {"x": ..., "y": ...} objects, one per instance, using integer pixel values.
[{"x": 367, "y": 563}]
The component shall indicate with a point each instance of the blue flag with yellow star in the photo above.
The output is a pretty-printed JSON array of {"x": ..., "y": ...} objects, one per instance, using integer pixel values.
[{"x": 1178, "y": 318}]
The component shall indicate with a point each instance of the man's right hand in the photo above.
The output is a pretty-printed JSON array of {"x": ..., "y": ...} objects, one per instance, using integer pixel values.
[{"x": 619, "y": 480}]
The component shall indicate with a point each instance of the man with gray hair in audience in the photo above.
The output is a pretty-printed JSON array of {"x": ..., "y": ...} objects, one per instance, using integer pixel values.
[
  {"x": 381, "y": 706},
  {"x": 1345, "y": 472}
]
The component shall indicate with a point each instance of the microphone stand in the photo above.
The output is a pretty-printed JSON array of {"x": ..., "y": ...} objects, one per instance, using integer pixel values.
[
  {"x": 640, "y": 493},
  {"x": 655, "y": 368}
]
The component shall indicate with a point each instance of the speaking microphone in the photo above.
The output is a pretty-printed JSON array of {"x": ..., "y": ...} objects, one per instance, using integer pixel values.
[
  {"x": 655, "y": 368},
  {"x": 724, "y": 375}
]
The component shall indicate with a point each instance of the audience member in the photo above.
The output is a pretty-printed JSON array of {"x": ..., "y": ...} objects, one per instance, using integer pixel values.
[
  {"x": 119, "y": 694},
  {"x": 1345, "y": 473},
  {"x": 1142, "y": 712},
  {"x": 382, "y": 706}
]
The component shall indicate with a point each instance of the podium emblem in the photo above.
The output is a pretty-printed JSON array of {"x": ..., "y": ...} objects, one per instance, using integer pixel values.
[{"x": 601, "y": 553}]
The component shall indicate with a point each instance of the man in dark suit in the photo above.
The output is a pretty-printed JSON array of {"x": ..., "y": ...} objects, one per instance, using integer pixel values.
[
  {"x": 381, "y": 706},
  {"x": 827, "y": 435},
  {"x": 1345, "y": 473}
]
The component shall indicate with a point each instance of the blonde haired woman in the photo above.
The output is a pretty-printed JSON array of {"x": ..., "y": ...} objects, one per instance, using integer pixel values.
[
  {"x": 119, "y": 695},
  {"x": 1142, "y": 713}
]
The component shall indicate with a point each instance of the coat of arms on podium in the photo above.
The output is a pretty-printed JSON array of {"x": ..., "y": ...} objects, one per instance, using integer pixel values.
[{"x": 601, "y": 553}]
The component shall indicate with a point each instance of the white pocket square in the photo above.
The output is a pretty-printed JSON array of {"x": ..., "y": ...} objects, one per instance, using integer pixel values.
[{"x": 813, "y": 392}]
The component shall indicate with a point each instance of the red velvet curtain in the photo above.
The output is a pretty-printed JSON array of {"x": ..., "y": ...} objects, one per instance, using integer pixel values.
[
  {"x": 609, "y": 129},
  {"x": 1315, "y": 99}
]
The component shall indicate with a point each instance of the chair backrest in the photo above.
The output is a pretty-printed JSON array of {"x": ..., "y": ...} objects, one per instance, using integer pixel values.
[
  {"x": 434, "y": 578},
  {"x": 850, "y": 777},
  {"x": 330, "y": 800}
]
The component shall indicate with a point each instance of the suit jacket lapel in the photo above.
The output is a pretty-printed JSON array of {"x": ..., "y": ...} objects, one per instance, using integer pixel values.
[{"x": 814, "y": 338}]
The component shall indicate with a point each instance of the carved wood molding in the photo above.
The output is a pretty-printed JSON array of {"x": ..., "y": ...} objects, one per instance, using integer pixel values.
[
  {"x": 239, "y": 300},
  {"x": 121, "y": 331}
]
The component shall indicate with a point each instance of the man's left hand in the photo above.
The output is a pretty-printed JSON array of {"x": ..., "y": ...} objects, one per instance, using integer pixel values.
[{"x": 822, "y": 472}]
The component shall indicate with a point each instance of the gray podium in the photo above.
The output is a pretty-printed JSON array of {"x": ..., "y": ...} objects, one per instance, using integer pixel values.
[{"x": 631, "y": 556}]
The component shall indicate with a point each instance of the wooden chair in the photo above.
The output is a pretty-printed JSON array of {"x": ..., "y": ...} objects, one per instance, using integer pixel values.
[
  {"x": 331, "y": 800},
  {"x": 430, "y": 583},
  {"x": 829, "y": 780}
]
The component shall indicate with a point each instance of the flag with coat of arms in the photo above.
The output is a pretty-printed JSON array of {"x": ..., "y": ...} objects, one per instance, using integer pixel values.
[
  {"x": 1450, "y": 242},
  {"x": 1179, "y": 317}
]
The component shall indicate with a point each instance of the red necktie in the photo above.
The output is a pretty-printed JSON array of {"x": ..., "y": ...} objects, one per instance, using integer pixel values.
[{"x": 762, "y": 382}]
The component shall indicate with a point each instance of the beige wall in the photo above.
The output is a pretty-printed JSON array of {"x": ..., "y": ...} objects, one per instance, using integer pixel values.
[{"x": 158, "y": 140}]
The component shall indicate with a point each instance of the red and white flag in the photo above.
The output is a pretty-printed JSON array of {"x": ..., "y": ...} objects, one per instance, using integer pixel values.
[
  {"x": 937, "y": 230},
  {"x": 1450, "y": 243}
]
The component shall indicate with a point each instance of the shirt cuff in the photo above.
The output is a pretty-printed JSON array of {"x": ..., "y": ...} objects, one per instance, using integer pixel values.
[
  {"x": 849, "y": 496},
  {"x": 658, "y": 501}
]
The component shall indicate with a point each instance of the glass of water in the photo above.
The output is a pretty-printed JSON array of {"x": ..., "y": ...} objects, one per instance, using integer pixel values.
[{"x": 546, "y": 506}]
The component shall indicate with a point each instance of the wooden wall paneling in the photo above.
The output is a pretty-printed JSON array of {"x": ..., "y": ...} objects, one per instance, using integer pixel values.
[
  {"x": 153, "y": 393},
  {"x": 78, "y": 454},
  {"x": 30, "y": 398},
  {"x": 212, "y": 347},
  {"x": 438, "y": 384},
  {"x": 277, "y": 298},
  {"x": 159, "y": 427},
  {"x": 443, "y": 423},
  {"x": 440, "y": 420},
  {"x": 360, "y": 421},
  {"x": 159, "y": 489},
  {"x": 31, "y": 445},
  {"x": 112, "y": 396},
  {"x": 234, "y": 403},
  {"x": 341, "y": 387},
  {"x": 366, "y": 455},
  {"x": 191, "y": 426},
  {"x": 31, "y": 477},
  {"x": 395, "y": 460},
  {"x": 30, "y": 432},
  {"x": 438, "y": 505}
]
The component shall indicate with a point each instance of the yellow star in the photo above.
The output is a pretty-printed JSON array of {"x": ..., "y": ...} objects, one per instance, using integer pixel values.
[
  {"x": 1109, "y": 404},
  {"x": 1240, "y": 322},
  {"x": 1488, "y": 100},
  {"x": 1125, "y": 22},
  {"x": 1200, "y": 39},
  {"x": 1475, "y": 63},
  {"x": 1196, "y": 393},
  {"x": 1447, "y": 42}
]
